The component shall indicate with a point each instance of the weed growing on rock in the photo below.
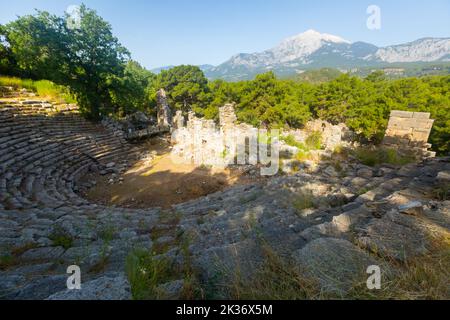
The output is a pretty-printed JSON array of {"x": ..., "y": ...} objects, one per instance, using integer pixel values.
[
  {"x": 314, "y": 141},
  {"x": 145, "y": 273},
  {"x": 442, "y": 191},
  {"x": 420, "y": 278},
  {"x": 375, "y": 156},
  {"x": 7, "y": 260},
  {"x": 60, "y": 238},
  {"x": 275, "y": 279},
  {"x": 304, "y": 200}
]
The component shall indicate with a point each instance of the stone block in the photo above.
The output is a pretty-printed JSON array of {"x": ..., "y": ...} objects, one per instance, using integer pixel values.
[
  {"x": 421, "y": 115},
  {"x": 401, "y": 114},
  {"x": 427, "y": 131},
  {"x": 423, "y": 123},
  {"x": 397, "y": 122},
  {"x": 411, "y": 208},
  {"x": 113, "y": 287},
  {"x": 420, "y": 136},
  {"x": 335, "y": 263},
  {"x": 394, "y": 140}
]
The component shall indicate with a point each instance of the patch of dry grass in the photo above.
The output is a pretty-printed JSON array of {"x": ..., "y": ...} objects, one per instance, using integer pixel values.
[
  {"x": 10, "y": 258},
  {"x": 425, "y": 277},
  {"x": 421, "y": 278},
  {"x": 304, "y": 200},
  {"x": 276, "y": 279}
]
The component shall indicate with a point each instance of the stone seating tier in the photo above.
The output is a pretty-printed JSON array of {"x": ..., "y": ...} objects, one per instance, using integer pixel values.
[{"x": 45, "y": 148}]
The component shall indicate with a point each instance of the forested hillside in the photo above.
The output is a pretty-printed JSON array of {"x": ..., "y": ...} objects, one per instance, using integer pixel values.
[{"x": 363, "y": 104}]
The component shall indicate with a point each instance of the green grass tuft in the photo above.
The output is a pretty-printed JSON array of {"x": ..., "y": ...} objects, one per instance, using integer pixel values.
[
  {"x": 146, "y": 272},
  {"x": 375, "y": 156},
  {"x": 44, "y": 88},
  {"x": 61, "y": 239},
  {"x": 314, "y": 141},
  {"x": 291, "y": 141},
  {"x": 304, "y": 200}
]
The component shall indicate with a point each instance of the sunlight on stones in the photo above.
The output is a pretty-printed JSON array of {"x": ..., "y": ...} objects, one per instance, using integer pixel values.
[{"x": 75, "y": 192}]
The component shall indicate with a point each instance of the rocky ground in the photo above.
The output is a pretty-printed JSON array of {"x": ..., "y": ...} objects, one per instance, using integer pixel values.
[{"x": 331, "y": 224}]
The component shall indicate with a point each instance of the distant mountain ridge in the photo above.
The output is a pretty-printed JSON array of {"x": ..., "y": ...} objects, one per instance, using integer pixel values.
[
  {"x": 313, "y": 50},
  {"x": 204, "y": 67}
]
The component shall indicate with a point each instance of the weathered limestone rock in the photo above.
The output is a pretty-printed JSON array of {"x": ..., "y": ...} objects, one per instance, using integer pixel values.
[
  {"x": 443, "y": 176},
  {"x": 413, "y": 208},
  {"x": 9, "y": 284},
  {"x": 164, "y": 112},
  {"x": 48, "y": 253},
  {"x": 227, "y": 117},
  {"x": 335, "y": 263},
  {"x": 40, "y": 288},
  {"x": 103, "y": 288},
  {"x": 171, "y": 290},
  {"x": 395, "y": 236},
  {"x": 227, "y": 259},
  {"x": 331, "y": 171},
  {"x": 178, "y": 120},
  {"x": 365, "y": 173}
]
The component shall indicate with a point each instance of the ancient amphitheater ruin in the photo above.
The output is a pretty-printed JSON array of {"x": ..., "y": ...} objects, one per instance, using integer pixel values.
[{"x": 331, "y": 221}]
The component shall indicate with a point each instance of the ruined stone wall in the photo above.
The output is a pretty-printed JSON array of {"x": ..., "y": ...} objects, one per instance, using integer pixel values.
[
  {"x": 200, "y": 141},
  {"x": 140, "y": 125},
  {"x": 332, "y": 135},
  {"x": 163, "y": 110},
  {"x": 409, "y": 132}
]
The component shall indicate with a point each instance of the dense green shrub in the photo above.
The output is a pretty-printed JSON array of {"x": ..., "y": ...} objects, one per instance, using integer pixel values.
[
  {"x": 291, "y": 141},
  {"x": 364, "y": 105},
  {"x": 374, "y": 156},
  {"x": 84, "y": 59},
  {"x": 43, "y": 88},
  {"x": 314, "y": 140}
]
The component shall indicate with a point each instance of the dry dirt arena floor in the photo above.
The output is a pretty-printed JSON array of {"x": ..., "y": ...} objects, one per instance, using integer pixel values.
[{"x": 160, "y": 181}]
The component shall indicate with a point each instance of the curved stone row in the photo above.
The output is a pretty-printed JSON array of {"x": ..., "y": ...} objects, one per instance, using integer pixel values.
[
  {"x": 44, "y": 225},
  {"x": 44, "y": 149}
]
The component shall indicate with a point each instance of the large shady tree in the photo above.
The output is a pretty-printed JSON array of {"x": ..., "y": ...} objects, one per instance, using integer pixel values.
[{"x": 80, "y": 53}]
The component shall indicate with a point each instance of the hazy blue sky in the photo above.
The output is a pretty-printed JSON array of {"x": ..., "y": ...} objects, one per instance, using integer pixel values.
[{"x": 171, "y": 32}]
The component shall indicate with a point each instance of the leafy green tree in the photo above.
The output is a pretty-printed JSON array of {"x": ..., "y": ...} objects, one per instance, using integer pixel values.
[
  {"x": 7, "y": 63},
  {"x": 219, "y": 92},
  {"x": 82, "y": 58},
  {"x": 318, "y": 76},
  {"x": 376, "y": 76},
  {"x": 129, "y": 92},
  {"x": 186, "y": 87},
  {"x": 36, "y": 45}
]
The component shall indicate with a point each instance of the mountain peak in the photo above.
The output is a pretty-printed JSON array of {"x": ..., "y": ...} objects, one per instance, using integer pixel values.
[
  {"x": 313, "y": 35},
  {"x": 300, "y": 46},
  {"x": 311, "y": 32},
  {"x": 312, "y": 49}
]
